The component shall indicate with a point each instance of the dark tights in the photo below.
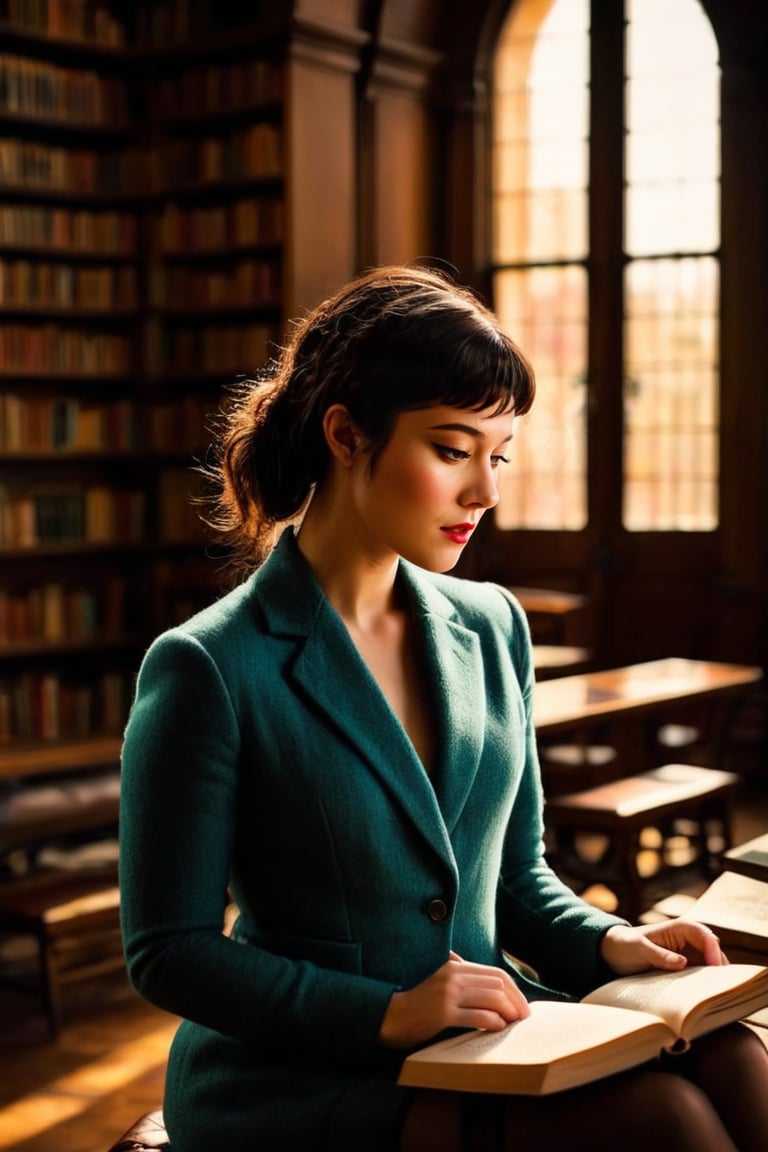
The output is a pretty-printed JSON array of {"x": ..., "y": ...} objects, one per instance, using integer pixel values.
[{"x": 712, "y": 1099}]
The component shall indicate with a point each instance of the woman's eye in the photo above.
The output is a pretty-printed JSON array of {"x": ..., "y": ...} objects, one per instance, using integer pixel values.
[
  {"x": 452, "y": 454},
  {"x": 496, "y": 460}
]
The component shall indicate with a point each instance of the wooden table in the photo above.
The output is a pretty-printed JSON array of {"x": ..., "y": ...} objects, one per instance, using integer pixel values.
[
  {"x": 548, "y": 600},
  {"x": 638, "y": 697},
  {"x": 558, "y": 659},
  {"x": 573, "y": 702},
  {"x": 549, "y": 611},
  {"x": 749, "y": 858}
]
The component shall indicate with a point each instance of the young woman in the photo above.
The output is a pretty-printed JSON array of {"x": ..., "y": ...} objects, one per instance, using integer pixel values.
[{"x": 343, "y": 744}]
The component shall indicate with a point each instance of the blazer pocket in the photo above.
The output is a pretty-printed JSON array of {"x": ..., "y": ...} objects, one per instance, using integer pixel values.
[{"x": 341, "y": 956}]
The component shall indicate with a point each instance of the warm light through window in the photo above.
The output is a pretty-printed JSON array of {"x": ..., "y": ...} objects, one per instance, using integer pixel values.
[
  {"x": 541, "y": 102},
  {"x": 672, "y": 296},
  {"x": 671, "y": 279}
]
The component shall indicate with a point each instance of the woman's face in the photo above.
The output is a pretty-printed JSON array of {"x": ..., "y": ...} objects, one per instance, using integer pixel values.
[{"x": 431, "y": 483}]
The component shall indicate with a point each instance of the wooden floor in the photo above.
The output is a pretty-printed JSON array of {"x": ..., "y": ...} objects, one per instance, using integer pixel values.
[
  {"x": 107, "y": 1067},
  {"x": 82, "y": 1092}
]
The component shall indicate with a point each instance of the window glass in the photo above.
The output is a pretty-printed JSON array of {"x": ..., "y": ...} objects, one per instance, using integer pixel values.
[
  {"x": 671, "y": 295},
  {"x": 540, "y": 154},
  {"x": 671, "y": 212}
]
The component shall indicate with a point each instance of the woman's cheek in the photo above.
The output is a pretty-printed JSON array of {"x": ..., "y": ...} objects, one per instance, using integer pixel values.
[{"x": 426, "y": 483}]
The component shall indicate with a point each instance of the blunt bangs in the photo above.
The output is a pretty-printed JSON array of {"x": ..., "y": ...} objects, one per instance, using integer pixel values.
[
  {"x": 487, "y": 371},
  {"x": 483, "y": 369}
]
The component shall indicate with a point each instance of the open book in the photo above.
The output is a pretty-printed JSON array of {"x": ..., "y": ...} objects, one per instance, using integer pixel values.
[
  {"x": 735, "y": 906},
  {"x": 619, "y": 1025}
]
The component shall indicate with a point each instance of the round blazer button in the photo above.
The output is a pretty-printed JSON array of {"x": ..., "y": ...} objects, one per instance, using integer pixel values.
[{"x": 437, "y": 910}]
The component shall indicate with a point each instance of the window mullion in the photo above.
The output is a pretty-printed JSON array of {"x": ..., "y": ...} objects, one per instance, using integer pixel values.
[{"x": 605, "y": 267}]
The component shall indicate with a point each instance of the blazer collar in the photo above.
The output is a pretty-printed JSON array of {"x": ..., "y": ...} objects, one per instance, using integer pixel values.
[{"x": 328, "y": 668}]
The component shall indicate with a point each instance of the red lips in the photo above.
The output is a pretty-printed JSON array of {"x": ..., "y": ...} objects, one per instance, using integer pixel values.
[{"x": 458, "y": 533}]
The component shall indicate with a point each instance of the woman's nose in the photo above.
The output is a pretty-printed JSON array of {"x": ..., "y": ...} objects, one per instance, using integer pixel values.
[{"x": 484, "y": 491}]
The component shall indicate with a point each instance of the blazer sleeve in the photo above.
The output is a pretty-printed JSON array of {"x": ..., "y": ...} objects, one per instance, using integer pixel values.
[
  {"x": 179, "y": 789},
  {"x": 540, "y": 919}
]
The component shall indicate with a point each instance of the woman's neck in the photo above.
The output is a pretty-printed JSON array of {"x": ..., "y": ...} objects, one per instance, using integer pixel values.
[{"x": 361, "y": 588}]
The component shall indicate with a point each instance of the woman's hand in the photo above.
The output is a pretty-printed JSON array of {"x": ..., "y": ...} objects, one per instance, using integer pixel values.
[
  {"x": 458, "y": 995},
  {"x": 671, "y": 945}
]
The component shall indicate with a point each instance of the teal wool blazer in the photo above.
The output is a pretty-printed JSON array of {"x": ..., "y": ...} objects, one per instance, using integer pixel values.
[{"x": 261, "y": 757}]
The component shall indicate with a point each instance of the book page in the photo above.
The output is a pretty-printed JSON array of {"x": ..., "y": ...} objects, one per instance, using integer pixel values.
[
  {"x": 687, "y": 998},
  {"x": 759, "y": 1018},
  {"x": 558, "y": 1045},
  {"x": 735, "y": 902}
]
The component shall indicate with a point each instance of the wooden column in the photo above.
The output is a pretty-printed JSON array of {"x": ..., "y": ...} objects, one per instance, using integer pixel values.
[
  {"x": 321, "y": 164},
  {"x": 399, "y": 155}
]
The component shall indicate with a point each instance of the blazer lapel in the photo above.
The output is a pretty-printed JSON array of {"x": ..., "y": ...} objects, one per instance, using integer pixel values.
[
  {"x": 329, "y": 670},
  {"x": 454, "y": 658}
]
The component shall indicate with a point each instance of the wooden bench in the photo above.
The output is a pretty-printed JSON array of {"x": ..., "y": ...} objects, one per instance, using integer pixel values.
[
  {"x": 617, "y": 815},
  {"x": 73, "y": 916},
  {"x": 35, "y": 813},
  {"x": 59, "y": 807}
]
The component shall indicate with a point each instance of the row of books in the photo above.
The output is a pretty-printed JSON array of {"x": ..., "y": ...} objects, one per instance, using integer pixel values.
[
  {"x": 37, "y": 424},
  {"x": 92, "y": 21},
  {"x": 64, "y": 514},
  {"x": 184, "y": 424},
  {"x": 39, "y": 88},
  {"x": 224, "y": 349},
  {"x": 53, "y": 612},
  {"x": 48, "y": 706},
  {"x": 48, "y": 349},
  {"x": 28, "y": 164},
  {"x": 231, "y": 284},
  {"x": 38, "y": 226},
  {"x": 253, "y": 153},
  {"x": 219, "y": 88},
  {"x": 66, "y": 424},
  {"x": 180, "y": 512},
  {"x": 40, "y": 283},
  {"x": 169, "y": 22},
  {"x": 257, "y": 220},
  {"x": 46, "y": 514}
]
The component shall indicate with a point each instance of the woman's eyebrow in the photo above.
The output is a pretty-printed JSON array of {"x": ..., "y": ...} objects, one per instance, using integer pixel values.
[
  {"x": 470, "y": 431},
  {"x": 468, "y": 428}
]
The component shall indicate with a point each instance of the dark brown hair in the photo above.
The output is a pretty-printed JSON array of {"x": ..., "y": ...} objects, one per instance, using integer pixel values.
[{"x": 394, "y": 339}]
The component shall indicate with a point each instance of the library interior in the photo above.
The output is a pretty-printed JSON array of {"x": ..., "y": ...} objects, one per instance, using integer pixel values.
[{"x": 180, "y": 180}]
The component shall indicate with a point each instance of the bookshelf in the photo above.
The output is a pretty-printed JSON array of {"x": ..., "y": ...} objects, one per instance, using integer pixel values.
[
  {"x": 215, "y": 241},
  {"x": 159, "y": 216},
  {"x": 71, "y": 493},
  {"x": 142, "y": 248}
]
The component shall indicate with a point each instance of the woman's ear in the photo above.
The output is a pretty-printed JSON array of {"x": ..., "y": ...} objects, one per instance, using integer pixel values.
[{"x": 341, "y": 434}]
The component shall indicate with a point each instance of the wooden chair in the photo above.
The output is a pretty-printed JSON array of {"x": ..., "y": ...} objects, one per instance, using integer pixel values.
[
  {"x": 618, "y": 813},
  {"x": 147, "y": 1133},
  {"x": 74, "y": 918}
]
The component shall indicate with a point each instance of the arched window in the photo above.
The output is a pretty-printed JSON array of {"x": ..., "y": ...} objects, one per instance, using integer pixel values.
[{"x": 605, "y": 257}]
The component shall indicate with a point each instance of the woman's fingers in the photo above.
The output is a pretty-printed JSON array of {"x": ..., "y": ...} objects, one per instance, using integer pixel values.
[
  {"x": 458, "y": 995},
  {"x": 669, "y": 945},
  {"x": 480, "y": 988}
]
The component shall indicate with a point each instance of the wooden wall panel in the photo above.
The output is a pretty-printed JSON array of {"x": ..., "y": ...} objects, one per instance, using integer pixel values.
[
  {"x": 402, "y": 191},
  {"x": 342, "y": 12},
  {"x": 321, "y": 178}
]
